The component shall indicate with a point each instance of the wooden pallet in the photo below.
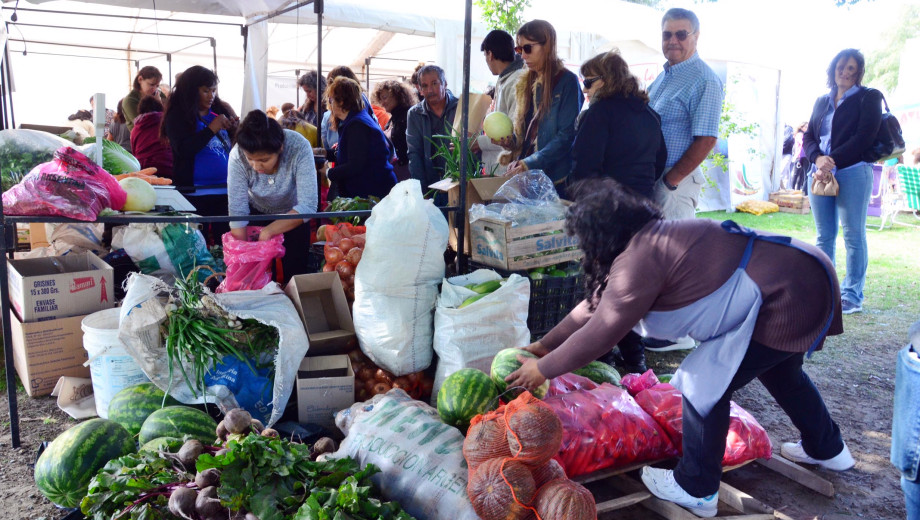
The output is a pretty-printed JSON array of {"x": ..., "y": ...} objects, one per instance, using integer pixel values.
[{"x": 742, "y": 505}]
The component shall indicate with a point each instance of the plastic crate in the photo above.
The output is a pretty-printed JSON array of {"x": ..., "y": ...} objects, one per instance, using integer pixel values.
[
  {"x": 315, "y": 257},
  {"x": 551, "y": 298}
]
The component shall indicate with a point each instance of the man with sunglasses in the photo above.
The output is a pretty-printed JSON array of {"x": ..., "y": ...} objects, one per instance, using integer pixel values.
[{"x": 688, "y": 97}]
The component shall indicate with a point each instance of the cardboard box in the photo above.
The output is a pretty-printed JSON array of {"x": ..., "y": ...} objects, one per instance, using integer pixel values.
[
  {"x": 478, "y": 191},
  {"x": 60, "y": 286},
  {"x": 320, "y": 300},
  {"x": 325, "y": 385},
  {"x": 38, "y": 236},
  {"x": 496, "y": 243},
  {"x": 46, "y": 350},
  {"x": 791, "y": 201}
]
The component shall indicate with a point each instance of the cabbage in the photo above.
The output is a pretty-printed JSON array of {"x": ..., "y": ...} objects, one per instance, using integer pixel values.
[
  {"x": 141, "y": 195},
  {"x": 115, "y": 159}
]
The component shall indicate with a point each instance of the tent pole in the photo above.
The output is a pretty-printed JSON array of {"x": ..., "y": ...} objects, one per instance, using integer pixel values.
[
  {"x": 169, "y": 64},
  {"x": 464, "y": 130},
  {"x": 367, "y": 74},
  {"x": 214, "y": 51},
  {"x": 9, "y": 93},
  {"x": 318, "y": 8},
  {"x": 297, "y": 90}
]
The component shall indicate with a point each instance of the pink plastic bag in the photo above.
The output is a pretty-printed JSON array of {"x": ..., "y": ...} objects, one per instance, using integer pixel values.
[
  {"x": 635, "y": 383},
  {"x": 605, "y": 428},
  {"x": 249, "y": 262},
  {"x": 70, "y": 185},
  {"x": 746, "y": 439},
  {"x": 569, "y": 383}
]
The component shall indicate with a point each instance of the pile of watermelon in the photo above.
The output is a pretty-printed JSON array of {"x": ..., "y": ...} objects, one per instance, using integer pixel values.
[
  {"x": 66, "y": 466},
  {"x": 470, "y": 392}
]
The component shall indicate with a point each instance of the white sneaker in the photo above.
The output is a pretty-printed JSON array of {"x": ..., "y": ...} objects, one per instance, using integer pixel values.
[
  {"x": 662, "y": 484},
  {"x": 841, "y": 462}
]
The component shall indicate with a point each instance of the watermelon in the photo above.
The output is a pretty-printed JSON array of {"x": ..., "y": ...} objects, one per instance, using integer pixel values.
[
  {"x": 168, "y": 444},
  {"x": 179, "y": 421},
  {"x": 131, "y": 406},
  {"x": 465, "y": 394},
  {"x": 504, "y": 364},
  {"x": 599, "y": 372},
  {"x": 64, "y": 469},
  {"x": 665, "y": 378}
]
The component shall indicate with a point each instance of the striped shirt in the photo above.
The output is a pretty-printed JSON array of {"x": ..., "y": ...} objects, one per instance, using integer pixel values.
[{"x": 688, "y": 97}]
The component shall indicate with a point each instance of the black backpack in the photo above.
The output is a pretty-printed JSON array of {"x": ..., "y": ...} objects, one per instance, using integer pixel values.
[{"x": 889, "y": 142}]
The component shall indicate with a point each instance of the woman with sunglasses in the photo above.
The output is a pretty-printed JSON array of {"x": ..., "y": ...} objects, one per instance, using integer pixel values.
[
  {"x": 544, "y": 126},
  {"x": 619, "y": 135}
]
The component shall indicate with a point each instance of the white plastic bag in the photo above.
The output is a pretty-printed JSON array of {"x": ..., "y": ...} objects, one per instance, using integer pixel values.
[
  {"x": 143, "y": 310},
  {"x": 143, "y": 244},
  {"x": 65, "y": 239},
  {"x": 396, "y": 281},
  {"x": 470, "y": 337},
  {"x": 420, "y": 458}
]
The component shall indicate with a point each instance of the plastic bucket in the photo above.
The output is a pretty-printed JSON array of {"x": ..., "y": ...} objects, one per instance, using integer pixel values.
[{"x": 110, "y": 365}]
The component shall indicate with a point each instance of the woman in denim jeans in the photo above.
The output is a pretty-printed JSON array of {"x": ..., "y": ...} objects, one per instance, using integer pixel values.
[
  {"x": 841, "y": 130},
  {"x": 905, "y": 431}
]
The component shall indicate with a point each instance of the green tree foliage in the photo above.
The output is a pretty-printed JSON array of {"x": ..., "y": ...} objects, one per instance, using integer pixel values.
[
  {"x": 884, "y": 64},
  {"x": 506, "y": 15}
]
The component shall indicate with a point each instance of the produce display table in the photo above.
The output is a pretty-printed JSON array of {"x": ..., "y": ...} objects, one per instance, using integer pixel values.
[
  {"x": 8, "y": 244},
  {"x": 743, "y": 505}
]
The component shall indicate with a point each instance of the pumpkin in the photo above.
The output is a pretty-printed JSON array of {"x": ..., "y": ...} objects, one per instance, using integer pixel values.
[
  {"x": 501, "y": 489},
  {"x": 563, "y": 499}
]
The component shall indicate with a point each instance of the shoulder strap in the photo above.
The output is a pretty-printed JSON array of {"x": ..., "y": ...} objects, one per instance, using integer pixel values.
[{"x": 884, "y": 101}]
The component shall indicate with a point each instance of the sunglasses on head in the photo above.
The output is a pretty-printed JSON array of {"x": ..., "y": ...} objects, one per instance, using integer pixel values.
[
  {"x": 681, "y": 35},
  {"x": 588, "y": 82},
  {"x": 528, "y": 48}
]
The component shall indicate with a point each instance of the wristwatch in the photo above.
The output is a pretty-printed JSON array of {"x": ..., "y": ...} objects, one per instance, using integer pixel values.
[{"x": 668, "y": 186}]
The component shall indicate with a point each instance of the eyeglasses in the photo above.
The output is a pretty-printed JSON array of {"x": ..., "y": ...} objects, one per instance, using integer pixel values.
[
  {"x": 588, "y": 82},
  {"x": 681, "y": 35},
  {"x": 528, "y": 48}
]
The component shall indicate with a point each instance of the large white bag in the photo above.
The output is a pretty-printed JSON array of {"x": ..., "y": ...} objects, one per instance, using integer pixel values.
[
  {"x": 420, "y": 458},
  {"x": 143, "y": 244},
  {"x": 396, "y": 281},
  {"x": 470, "y": 337},
  {"x": 143, "y": 311}
]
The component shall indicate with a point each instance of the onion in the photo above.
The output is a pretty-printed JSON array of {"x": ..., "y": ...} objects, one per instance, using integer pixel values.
[
  {"x": 345, "y": 269},
  {"x": 380, "y": 388},
  {"x": 384, "y": 376},
  {"x": 346, "y": 244},
  {"x": 366, "y": 374},
  {"x": 141, "y": 195},
  {"x": 333, "y": 254},
  {"x": 358, "y": 240},
  {"x": 353, "y": 255}
]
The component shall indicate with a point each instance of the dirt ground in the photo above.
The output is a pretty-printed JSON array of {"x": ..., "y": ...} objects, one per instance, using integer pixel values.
[{"x": 856, "y": 379}]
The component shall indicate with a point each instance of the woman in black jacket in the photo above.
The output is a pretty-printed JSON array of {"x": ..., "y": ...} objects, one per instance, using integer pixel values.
[
  {"x": 840, "y": 134},
  {"x": 396, "y": 98},
  {"x": 619, "y": 136}
]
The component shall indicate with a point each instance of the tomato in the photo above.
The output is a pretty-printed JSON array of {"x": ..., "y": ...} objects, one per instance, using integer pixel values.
[
  {"x": 366, "y": 374},
  {"x": 346, "y": 244},
  {"x": 345, "y": 269},
  {"x": 384, "y": 376},
  {"x": 402, "y": 383},
  {"x": 328, "y": 268},
  {"x": 353, "y": 255},
  {"x": 380, "y": 388},
  {"x": 333, "y": 254}
]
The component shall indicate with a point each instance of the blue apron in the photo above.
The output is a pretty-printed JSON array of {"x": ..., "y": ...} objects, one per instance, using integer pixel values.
[{"x": 723, "y": 322}]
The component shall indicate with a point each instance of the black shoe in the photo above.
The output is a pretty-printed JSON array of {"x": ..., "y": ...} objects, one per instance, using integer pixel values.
[{"x": 615, "y": 359}]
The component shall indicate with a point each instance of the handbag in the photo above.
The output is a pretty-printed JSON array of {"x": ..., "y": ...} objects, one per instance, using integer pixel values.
[
  {"x": 889, "y": 142},
  {"x": 828, "y": 188}
]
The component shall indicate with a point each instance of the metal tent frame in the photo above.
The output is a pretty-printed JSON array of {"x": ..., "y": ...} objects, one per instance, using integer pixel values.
[{"x": 8, "y": 223}]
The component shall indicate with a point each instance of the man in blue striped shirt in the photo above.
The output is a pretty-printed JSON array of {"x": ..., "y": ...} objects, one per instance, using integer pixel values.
[{"x": 688, "y": 97}]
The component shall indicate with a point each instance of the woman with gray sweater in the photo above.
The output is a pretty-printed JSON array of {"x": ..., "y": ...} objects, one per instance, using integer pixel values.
[{"x": 271, "y": 171}]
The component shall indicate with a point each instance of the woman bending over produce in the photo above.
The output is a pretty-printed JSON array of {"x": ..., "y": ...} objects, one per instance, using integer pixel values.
[
  {"x": 200, "y": 144},
  {"x": 362, "y": 160},
  {"x": 272, "y": 172},
  {"x": 719, "y": 285},
  {"x": 146, "y": 83}
]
